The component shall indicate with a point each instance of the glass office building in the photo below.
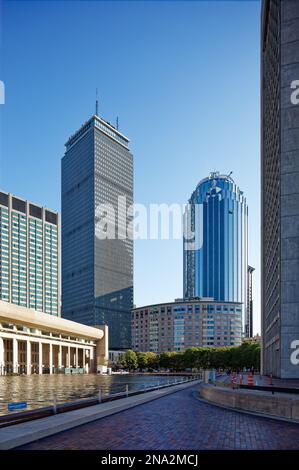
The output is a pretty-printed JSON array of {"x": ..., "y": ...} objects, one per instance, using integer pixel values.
[
  {"x": 97, "y": 272},
  {"x": 279, "y": 187},
  {"x": 215, "y": 241},
  {"x": 29, "y": 255}
]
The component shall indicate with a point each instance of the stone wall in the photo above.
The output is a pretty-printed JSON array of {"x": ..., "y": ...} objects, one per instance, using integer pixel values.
[{"x": 278, "y": 405}]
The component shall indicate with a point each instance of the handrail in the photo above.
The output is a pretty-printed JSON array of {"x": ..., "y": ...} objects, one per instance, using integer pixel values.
[{"x": 56, "y": 408}]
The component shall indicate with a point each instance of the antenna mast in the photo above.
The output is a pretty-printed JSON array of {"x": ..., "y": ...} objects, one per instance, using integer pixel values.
[{"x": 97, "y": 103}]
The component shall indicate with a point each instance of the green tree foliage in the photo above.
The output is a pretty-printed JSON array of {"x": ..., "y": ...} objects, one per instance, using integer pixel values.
[
  {"x": 152, "y": 360},
  {"x": 142, "y": 360},
  {"x": 129, "y": 360},
  {"x": 247, "y": 355},
  {"x": 167, "y": 360}
]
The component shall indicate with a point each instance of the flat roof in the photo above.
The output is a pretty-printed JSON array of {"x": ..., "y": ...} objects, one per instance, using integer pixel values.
[
  {"x": 34, "y": 319},
  {"x": 86, "y": 126},
  {"x": 28, "y": 201},
  {"x": 190, "y": 301}
]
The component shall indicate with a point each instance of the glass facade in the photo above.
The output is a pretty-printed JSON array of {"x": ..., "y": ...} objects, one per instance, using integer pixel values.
[
  {"x": 29, "y": 255},
  {"x": 97, "y": 273},
  {"x": 19, "y": 259},
  {"x": 215, "y": 241}
]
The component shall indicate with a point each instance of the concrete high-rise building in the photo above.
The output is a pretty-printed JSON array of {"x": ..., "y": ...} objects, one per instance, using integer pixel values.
[
  {"x": 97, "y": 273},
  {"x": 279, "y": 186},
  {"x": 29, "y": 255},
  {"x": 215, "y": 242},
  {"x": 186, "y": 323},
  {"x": 249, "y": 305}
]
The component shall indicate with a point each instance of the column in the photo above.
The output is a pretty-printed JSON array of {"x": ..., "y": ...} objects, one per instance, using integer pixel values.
[
  {"x": 15, "y": 357},
  {"x": 28, "y": 357},
  {"x": 91, "y": 360},
  {"x": 84, "y": 356},
  {"x": 51, "y": 357},
  {"x": 60, "y": 357},
  {"x": 91, "y": 353},
  {"x": 1, "y": 356},
  {"x": 68, "y": 357},
  {"x": 40, "y": 358},
  {"x": 77, "y": 358}
]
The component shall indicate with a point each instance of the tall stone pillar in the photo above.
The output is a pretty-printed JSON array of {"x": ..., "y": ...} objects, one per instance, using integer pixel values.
[
  {"x": 68, "y": 360},
  {"x": 83, "y": 358},
  {"x": 77, "y": 358},
  {"x": 51, "y": 357},
  {"x": 60, "y": 357},
  {"x": 40, "y": 357},
  {"x": 28, "y": 358},
  {"x": 15, "y": 356}
]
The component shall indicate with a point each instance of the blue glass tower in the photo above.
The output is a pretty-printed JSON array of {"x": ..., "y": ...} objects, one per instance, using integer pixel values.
[{"x": 216, "y": 241}]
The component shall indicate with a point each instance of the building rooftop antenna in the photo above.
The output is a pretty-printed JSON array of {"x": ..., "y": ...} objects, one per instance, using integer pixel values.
[
  {"x": 97, "y": 103},
  {"x": 117, "y": 123}
]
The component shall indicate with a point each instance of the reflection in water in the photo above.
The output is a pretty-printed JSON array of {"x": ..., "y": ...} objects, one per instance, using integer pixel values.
[{"x": 40, "y": 390}]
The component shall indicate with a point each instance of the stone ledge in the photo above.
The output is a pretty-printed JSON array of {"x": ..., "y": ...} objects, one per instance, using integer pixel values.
[
  {"x": 280, "y": 405},
  {"x": 24, "y": 433}
]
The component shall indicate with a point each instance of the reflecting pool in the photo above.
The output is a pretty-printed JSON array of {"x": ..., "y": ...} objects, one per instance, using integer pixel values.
[{"x": 40, "y": 390}]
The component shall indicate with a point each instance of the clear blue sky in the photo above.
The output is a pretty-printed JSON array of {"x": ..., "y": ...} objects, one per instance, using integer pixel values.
[{"x": 183, "y": 78}]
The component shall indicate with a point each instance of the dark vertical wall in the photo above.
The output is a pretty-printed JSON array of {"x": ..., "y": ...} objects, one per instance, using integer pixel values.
[{"x": 280, "y": 186}]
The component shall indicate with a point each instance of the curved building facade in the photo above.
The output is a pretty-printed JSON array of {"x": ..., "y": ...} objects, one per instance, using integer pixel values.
[
  {"x": 186, "y": 323},
  {"x": 216, "y": 241}
]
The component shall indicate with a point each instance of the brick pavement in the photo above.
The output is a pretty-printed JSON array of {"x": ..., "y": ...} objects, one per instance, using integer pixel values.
[{"x": 177, "y": 421}]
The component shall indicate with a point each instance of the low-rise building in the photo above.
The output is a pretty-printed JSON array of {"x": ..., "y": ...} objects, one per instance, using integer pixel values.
[
  {"x": 186, "y": 323},
  {"x": 36, "y": 342}
]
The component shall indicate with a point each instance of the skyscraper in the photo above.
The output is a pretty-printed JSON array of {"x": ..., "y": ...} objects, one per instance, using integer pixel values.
[
  {"x": 279, "y": 187},
  {"x": 215, "y": 241},
  {"x": 29, "y": 255},
  {"x": 97, "y": 273},
  {"x": 249, "y": 305}
]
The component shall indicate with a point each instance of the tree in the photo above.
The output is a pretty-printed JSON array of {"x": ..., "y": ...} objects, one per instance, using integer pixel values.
[
  {"x": 142, "y": 360},
  {"x": 226, "y": 357},
  {"x": 190, "y": 358},
  {"x": 167, "y": 359},
  {"x": 152, "y": 360},
  {"x": 129, "y": 360}
]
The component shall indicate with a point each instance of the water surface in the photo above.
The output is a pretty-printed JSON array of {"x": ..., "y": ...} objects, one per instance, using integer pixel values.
[{"x": 40, "y": 390}]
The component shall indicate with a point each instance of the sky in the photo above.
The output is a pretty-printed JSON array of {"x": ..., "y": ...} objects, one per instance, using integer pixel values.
[{"x": 183, "y": 77}]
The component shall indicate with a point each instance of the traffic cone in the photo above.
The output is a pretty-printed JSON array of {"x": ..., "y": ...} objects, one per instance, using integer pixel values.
[{"x": 250, "y": 380}]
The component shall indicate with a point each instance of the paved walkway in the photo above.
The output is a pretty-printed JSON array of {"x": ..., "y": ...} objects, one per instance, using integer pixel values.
[{"x": 176, "y": 421}]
